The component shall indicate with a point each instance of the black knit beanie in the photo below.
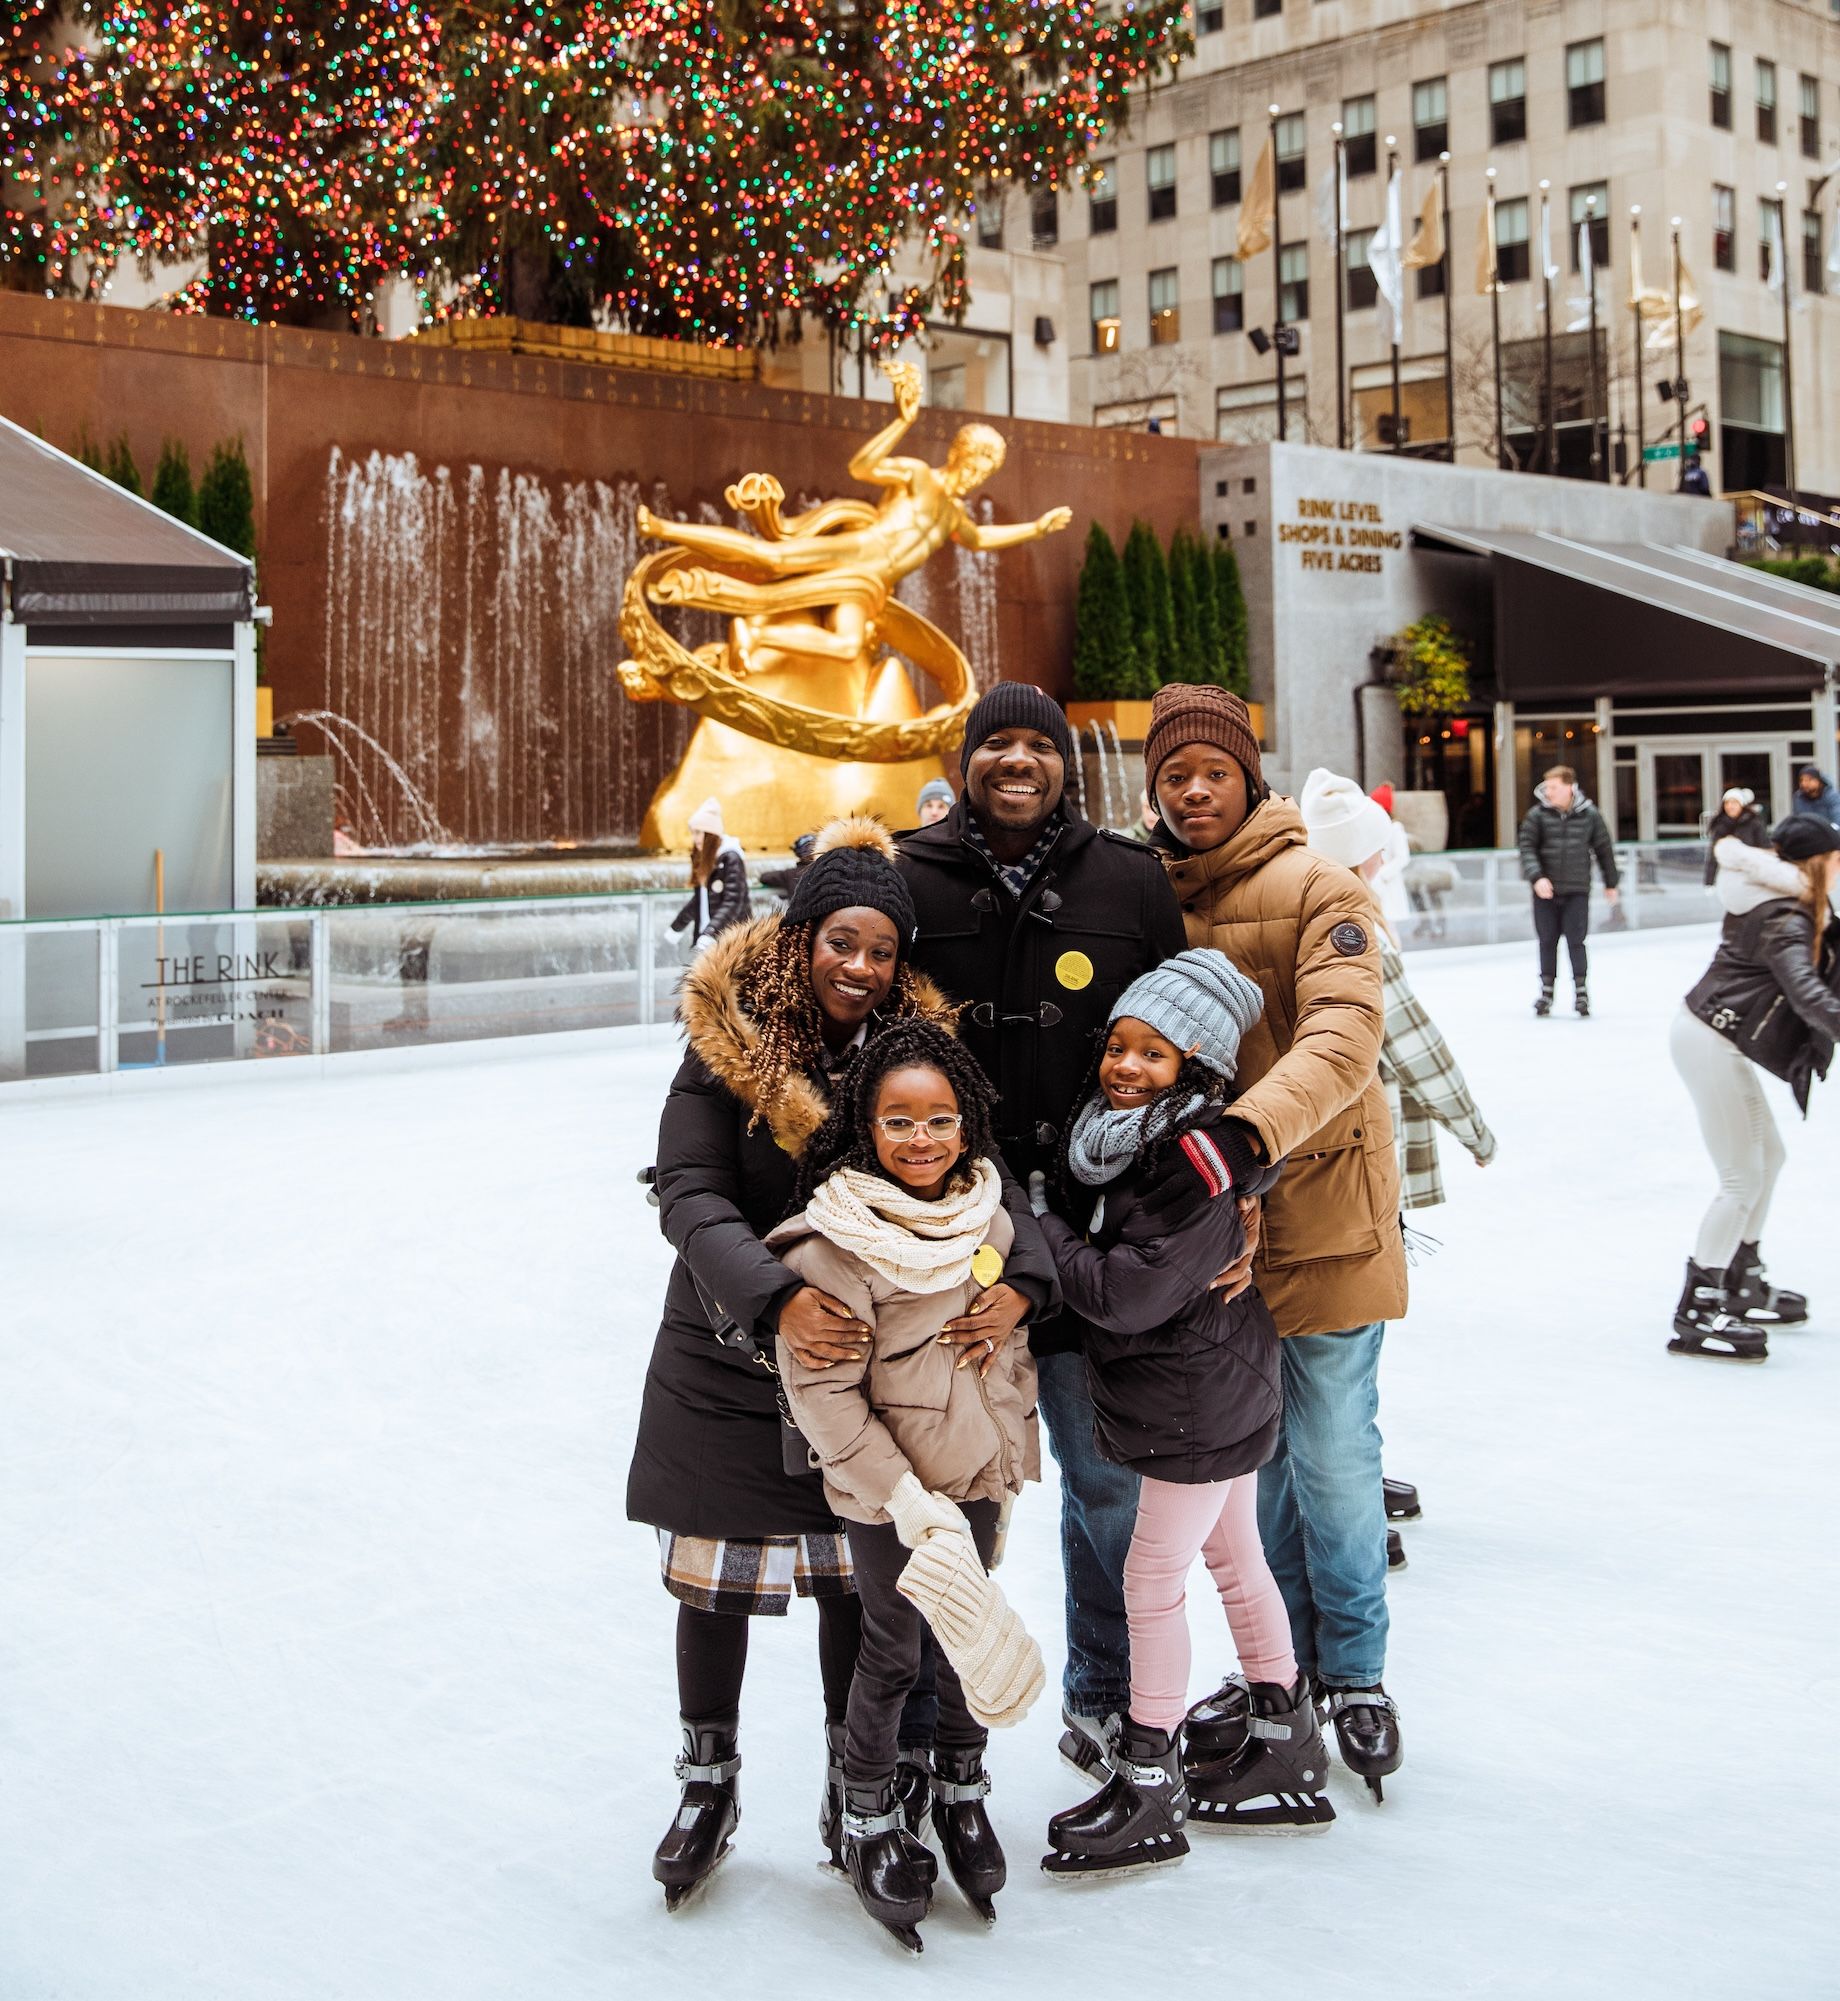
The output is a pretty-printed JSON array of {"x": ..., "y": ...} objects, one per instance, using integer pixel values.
[
  {"x": 1017, "y": 705},
  {"x": 1802, "y": 836},
  {"x": 853, "y": 867}
]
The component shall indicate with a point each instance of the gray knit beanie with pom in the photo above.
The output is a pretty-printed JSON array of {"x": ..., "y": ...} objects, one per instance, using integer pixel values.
[{"x": 1201, "y": 1001}]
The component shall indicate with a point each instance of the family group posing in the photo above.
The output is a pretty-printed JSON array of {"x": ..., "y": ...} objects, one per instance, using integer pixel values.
[{"x": 996, "y": 1124}]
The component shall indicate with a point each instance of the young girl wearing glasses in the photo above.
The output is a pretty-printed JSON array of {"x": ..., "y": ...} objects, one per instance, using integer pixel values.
[{"x": 919, "y": 1443}]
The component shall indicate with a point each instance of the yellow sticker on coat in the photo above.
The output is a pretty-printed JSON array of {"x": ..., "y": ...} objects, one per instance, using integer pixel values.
[
  {"x": 1074, "y": 969},
  {"x": 987, "y": 1264}
]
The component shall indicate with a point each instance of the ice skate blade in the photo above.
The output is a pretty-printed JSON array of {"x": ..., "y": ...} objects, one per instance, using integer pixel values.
[
  {"x": 1060, "y": 1868},
  {"x": 1680, "y": 1346},
  {"x": 1311, "y": 1820},
  {"x": 679, "y": 1896},
  {"x": 1373, "y": 1786},
  {"x": 907, "y": 1937}
]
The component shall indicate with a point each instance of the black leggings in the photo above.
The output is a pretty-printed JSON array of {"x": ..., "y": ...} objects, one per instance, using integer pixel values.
[
  {"x": 1562, "y": 916},
  {"x": 712, "y": 1657}
]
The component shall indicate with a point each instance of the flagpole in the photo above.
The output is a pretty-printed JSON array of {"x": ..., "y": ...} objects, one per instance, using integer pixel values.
[
  {"x": 1277, "y": 265},
  {"x": 1680, "y": 354},
  {"x": 1501, "y": 441},
  {"x": 1450, "y": 266},
  {"x": 1549, "y": 444},
  {"x": 1394, "y": 308},
  {"x": 1635, "y": 307},
  {"x": 1341, "y": 293},
  {"x": 1599, "y": 471},
  {"x": 1782, "y": 269}
]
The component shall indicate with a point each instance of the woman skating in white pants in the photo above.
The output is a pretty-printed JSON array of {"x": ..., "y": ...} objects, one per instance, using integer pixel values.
[{"x": 1769, "y": 1001}]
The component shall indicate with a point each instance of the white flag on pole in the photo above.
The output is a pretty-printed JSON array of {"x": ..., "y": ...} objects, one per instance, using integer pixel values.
[
  {"x": 1385, "y": 252},
  {"x": 1773, "y": 251},
  {"x": 1546, "y": 254}
]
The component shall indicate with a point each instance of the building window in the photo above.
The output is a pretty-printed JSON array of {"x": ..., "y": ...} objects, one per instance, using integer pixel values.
[
  {"x": 1358, "y": 146},
  {"x": 1165, "y": 309},
  {"x": 1293, "y": 282},
  {"x": 1209, "y": 18},
  {"x": 1105, "y": 326},
  {"x": 1766, "y": 102},
  {"x": 1507, "y": 103},
  {"x": 1772, "y": 239},
  {"x": 1223, "y": 167},
  {"x": 990, "y": 222},
  {"x": 1363, "y": 286},
  {"x": 1584, "y": 84},
  {"x": 1102, "y": 202},
  {"x": 1430, "y": 119},
  {"x": 1044, "y": 220},
  {"x": 1263, "y": 9},
  {"x": 1229, "y": 296},
  {"x": 1750, "y": 411},
  {"x": 1247, "y": 414},
  {"x": 1814, "y": 281},
  {"x": 1512, "y": 262},
  {"x": 1431, "y": 278},
  {"x": 1141, "y": 413},
  {"x": 1582, "y": 198},
  {"x": 1290, "y": 152},
  {"x": 1724, "y": 228},
  {"x": 1160, "y": 171},
  {"x": 1721, "y": 85},
  {"x": 1811, "y": 117}
]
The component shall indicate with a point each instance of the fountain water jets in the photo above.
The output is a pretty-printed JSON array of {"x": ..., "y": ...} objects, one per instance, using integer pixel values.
[
  {"x": 1105, "y": 776},
  {"x": 1127, "y": 806},
  {"x": 335, "y": 728},
  {"x": 975, "y": 574}
]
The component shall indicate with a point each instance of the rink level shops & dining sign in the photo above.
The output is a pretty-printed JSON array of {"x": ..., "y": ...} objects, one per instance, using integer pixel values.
[{"x": 1340, "y": 535}]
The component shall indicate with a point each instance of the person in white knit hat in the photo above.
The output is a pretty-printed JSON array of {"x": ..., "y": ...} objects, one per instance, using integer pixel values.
[
  {"x": 718, "y": 898},
  {"x": 1424, "y": 1085},
  {"x": 920, "y": 1443}
]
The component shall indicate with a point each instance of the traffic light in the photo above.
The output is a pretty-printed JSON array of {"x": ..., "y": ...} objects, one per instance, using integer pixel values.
[{"x": 1699, "y": 434}]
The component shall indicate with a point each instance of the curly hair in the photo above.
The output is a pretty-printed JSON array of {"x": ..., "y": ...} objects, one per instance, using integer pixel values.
[
  {"x": 847, "y": 1137},
  {"x": 775, "y": 992},
  {"x": 1163, "y": 1121}
]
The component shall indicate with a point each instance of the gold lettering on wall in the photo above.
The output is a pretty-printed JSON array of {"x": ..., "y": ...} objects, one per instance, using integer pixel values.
[{"x": 1340, "y": 535}]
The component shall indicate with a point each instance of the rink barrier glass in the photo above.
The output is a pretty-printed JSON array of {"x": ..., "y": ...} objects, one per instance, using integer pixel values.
[{"x": 85, "y": 996}]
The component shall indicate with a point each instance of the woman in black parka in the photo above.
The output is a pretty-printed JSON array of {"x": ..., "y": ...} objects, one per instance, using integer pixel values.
[{"x": 770, "y": 1011}]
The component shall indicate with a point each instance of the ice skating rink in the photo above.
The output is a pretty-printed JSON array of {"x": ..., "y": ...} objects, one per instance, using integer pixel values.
[{"x": 330, "y": 1669}]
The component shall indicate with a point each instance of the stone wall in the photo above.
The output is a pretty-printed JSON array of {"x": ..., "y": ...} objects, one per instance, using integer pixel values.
[{"x": 443, "y": 537}]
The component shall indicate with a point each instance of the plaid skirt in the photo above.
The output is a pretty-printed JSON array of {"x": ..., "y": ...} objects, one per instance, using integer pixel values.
[{"x": 754, "y": 1579}]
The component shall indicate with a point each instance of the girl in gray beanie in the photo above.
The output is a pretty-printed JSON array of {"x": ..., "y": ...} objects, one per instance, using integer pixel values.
[{"x": 1185, "y": 1392}]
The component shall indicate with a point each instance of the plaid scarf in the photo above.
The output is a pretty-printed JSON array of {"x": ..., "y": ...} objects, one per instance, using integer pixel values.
[{"x": 1014, "y": 876}]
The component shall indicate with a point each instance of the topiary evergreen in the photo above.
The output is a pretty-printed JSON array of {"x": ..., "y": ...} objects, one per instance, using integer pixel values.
[
  {"x": 226, "y": 500},
  {"x": 1209, "y": 655},
  {"x": 1104, "y": 652},
  {"x": 86, "y": 451},
  {"x": 1230, "y": 608},
  {"x": 121, "y": 467},
  {"x": 1190, "y": 579},
  {"x": 1146, "y": 584},
  {"x": 173, "y": 492}
]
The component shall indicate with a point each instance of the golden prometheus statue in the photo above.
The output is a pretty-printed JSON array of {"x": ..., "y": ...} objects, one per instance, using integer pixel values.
[{"x": 807, "y": 707}]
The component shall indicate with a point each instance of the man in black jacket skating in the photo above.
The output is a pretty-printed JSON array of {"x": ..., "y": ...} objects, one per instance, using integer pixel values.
[
  {"x": 1038, "y": 921},
  {"x": 1560, "y": 837}
]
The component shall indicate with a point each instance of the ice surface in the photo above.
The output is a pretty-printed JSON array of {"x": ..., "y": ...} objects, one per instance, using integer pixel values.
[{"x": 331, "y": 1670}]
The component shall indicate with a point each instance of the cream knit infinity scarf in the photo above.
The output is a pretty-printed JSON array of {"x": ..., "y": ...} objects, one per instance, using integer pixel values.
[{"x": 919, "y": 1246}]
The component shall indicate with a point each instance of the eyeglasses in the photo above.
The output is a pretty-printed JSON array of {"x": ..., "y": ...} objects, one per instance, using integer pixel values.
[{"x": 942, "y": 1125}]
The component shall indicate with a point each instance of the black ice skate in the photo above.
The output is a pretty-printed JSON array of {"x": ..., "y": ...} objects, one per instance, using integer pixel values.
[
  {"x": 1751, "y": 1297},
  {"x": 706, "y": 1815},
  {"x": 878, "y": 1855},
  {"x": 1395, "y": 1550},
  {"x": 962, "y": 1827},
  {"x": 1272, "y": 1782},
  {"x": 830, "y": 1807},
  {"x": 1134, "y": 1822},
  {"x": 1543, "y": 1006},
  {"x": 1401, "y": 1499},
  {"x": 913, "y": 1792},
  {"x": 1086, "y": 1743},
  {"x": 1581, "y": 1000},
  {"x": 1367, "y": 1733},
  {"x": 1219, "y": 1726},
  {"x": 1702, "y": 1326}
]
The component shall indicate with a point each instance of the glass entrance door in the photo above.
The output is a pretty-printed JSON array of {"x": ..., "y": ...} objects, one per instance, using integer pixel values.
[
  {"x": 1763, "y": 772},
  {"x": 1674, "y": 789}
]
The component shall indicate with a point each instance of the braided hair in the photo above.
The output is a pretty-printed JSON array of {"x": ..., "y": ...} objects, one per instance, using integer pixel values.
[
  {"x": 847, "y": 1136},
  {"x": 1163, "y": 1121},
  {"x": 775, "y": 992}
]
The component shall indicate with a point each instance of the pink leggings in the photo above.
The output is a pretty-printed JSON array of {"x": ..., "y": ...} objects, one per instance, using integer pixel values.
[{"x": 1175, "y": 1524}]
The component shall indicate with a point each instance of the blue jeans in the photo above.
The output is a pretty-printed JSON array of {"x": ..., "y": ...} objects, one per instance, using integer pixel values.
[
  {"x": 1321, "y": 1514},
  {"x": 1098, "y": 1514}
]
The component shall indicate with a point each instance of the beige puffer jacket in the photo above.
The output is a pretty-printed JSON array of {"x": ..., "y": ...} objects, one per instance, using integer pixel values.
[
  {"x": 1332, "y": 1253},
  {"x": 969, "y": 1437}
]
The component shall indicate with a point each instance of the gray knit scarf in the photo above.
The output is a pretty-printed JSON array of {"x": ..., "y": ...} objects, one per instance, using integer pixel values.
[{"x": 1104, "y": 1142}]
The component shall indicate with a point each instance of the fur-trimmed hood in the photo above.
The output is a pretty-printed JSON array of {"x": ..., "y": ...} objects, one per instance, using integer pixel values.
[
  {"x": 720, "y": 1031},
  {"x": 1749, "y": 876}
]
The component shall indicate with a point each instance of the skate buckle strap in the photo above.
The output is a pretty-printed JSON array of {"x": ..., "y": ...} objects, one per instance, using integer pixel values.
[
  {"x": 860, "y": 1826},
  {"x": 948, "y": 1792},
  {"x": 1213, "y": 1707},
  {"x": 1263, "y": 1726},
  {"x": 709, "y": 1775},
  {"x": 1360, "y": 1698}
]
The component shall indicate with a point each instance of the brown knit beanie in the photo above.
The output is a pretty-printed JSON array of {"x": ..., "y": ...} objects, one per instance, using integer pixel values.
[{"x": 1186, "y": 712}]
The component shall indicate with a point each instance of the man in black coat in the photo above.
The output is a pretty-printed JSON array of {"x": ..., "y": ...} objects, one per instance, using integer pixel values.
[
  {"x": 1038, "y": 921},
  {"x": 1561, "y": 836}
]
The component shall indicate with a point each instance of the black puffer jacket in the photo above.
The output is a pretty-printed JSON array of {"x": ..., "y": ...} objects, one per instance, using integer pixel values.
[
  {"x": 1183, "y": 1388},
  {"x": 1039, "y": 975},
  {"x": 709, "y": 1459},
  {"x": 1764, "y": 991},
  {"x": 722, "y": 903},
  {"x": 1560, "y": 846},
  {"x": 1747, "y": 826}
]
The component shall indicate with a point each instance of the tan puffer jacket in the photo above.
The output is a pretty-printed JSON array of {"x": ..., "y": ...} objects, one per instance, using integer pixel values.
[
  {"x": 1332, "y": 1254},
  {"x": 969, "y": 1437}
]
